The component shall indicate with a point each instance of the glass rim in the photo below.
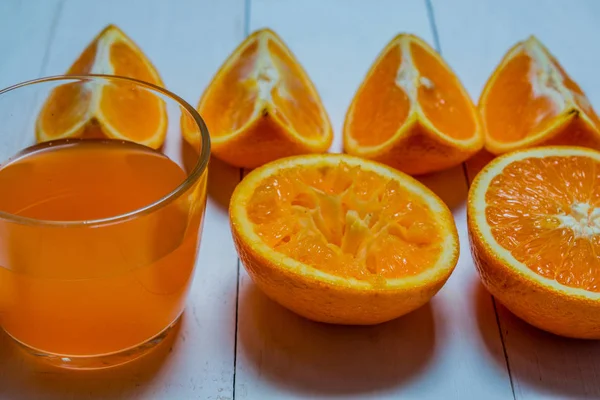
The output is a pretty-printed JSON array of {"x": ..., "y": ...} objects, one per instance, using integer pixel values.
[{"x": 198, "y": 170}]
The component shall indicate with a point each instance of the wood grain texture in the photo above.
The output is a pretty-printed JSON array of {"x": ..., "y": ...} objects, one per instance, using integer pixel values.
[
  {"x": 474, "y": 36},
  {"x": 449, "y": 348},
  {"x": 187, "y": 41}
]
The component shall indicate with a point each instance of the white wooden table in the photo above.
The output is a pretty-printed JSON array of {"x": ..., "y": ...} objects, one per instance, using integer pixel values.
[{"x": 235, "y": 343}]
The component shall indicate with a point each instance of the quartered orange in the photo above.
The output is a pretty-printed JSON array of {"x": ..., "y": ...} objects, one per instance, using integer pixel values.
[
  {"x": 341, "y": 239},
  {"x": 411, "y": 112},
  {"x": 261, "y": 105},
  {"x": 116, "y": 109},
  {"x": 530, "y": 100}
]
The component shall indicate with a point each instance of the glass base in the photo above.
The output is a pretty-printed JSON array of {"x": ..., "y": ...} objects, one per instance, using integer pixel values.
[{"x": 99, "y": 361}]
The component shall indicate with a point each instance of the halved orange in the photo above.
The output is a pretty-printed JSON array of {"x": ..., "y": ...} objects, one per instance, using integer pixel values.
[
  {"x": 530, "y": 100},
  {"x": 411, "y": 112},
  {"x": 118, "y": 109},
  {"x": 534, "y": 225},
  {"x": 341, "y": 239},
  {"x": 261, "y": 105}
]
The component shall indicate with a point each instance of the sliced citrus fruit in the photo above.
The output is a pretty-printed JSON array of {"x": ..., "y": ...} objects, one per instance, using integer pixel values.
[
  {"x": 534, "y": 225},
  {"x": 411, "y": 112},
  {"x": 115, "y": 109},
  {"x": 261, "y": 105},
  {"x": 530, "y": 101},
  {"x": 341, "y": 239}
]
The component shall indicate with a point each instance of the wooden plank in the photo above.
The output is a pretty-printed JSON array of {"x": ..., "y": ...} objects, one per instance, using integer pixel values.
[
  {"x": 187, "y": 41},
  {"x": 474, "y": 36},
  {"x": 27, "y": 31},
  {"x": 447, "y": 349}
]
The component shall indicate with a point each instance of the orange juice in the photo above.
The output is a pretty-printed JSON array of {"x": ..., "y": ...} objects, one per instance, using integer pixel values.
[{"x": 89, "y": 265}]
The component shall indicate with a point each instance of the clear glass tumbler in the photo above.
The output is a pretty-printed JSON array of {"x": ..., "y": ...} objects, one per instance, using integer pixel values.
[{"x": 101, "y": 210}]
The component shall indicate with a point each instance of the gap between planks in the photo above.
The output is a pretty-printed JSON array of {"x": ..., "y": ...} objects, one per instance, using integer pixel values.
[
  {"x": 247, "y": 14},
  {"x": 438, "y": 48},
  {"x": 242, "y": 173}
]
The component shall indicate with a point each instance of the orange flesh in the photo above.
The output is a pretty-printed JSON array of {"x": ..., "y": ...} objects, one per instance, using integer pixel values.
[
  {"x": 133, "y": 112},
  {"x": 67, "y": 105},
  {"x": 294, "y": 96},
  {"x": 580, "y": 97},
  {"x": 526, "y": 208},
  {"x": 85, "y": 62},
  {"x": 346, "y": 221},
  {"x": 535, "y": 113},
  {"x": 381, "y": 107},
  {"x": 231, "y": 104},
  {"x": 507, "y": 123},
  {"x": 127, "y": 62},
  {"x": 441, "y": 99}
]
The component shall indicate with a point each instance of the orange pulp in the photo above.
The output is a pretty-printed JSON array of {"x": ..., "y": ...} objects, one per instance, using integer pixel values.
[{"x": 346, "y": 221}]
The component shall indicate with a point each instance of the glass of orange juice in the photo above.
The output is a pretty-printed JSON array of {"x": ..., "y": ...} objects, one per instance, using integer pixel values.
[{"x": 101, "y": 210}]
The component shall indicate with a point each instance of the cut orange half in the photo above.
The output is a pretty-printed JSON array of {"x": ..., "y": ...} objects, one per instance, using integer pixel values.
[
  {"x": 534, "y": 225},
  {"x": 114, "y": 109},
  {"x": 530, "y": 101},
  {"x": 340, "y": 239},
  {"x": 411, "y": 112},
  {"x": 261, "y": 106}
]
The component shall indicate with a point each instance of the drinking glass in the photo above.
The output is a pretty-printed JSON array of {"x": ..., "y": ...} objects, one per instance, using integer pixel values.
[{"x": 80, "y": 287}]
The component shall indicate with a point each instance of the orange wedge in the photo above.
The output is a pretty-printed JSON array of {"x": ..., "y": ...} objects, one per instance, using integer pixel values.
[
  {"x": 530, "y": 101},
  {"x": 534, "y": 225},
  {"x": 341, "y": 239},
  {"x": 117, "y": 109},
  {"x": 261, "y": 106},
  {"x": 411, "y": 112}
]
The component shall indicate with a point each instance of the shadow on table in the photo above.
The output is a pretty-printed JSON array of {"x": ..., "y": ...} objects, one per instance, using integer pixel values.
[
  {"x": 545, "y": 363},
  {"x": 320, "y": 359},
  {"x": 222, "y": 177},
  {"x": 450, "y": 185},
  {"x": 487, "y": 323},
  {"x": 476, "y": 163},
  {"x": 222, "y": 180},
  {"x": 23, "y": 376}
]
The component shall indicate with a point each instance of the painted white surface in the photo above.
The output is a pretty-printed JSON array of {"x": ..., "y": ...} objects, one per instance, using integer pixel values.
[
  {"x": 474, "y": 36},
  {"x": 26, "y": 30},
  {"x": 448, "y": 349}
]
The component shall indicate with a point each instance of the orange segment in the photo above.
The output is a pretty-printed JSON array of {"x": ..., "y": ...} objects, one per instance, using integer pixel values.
[
  {"x": 534, "y": 222},
  {"x": 530, "y": 100},
  {"x": 341, "y": 239},
  {"x": 117, "y": 110},
  {"x": 378, "y": 102},
  {"x": 261, "y": 105},
  {"x": 411, "y": 112},
  {"x": 311, "y": 122},
  {"x": 441, "y": 97},
  {"x": 65, "y": 114}
]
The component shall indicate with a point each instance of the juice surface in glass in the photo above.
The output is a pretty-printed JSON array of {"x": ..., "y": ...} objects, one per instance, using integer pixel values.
[{"x": 82, "y": 283}]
